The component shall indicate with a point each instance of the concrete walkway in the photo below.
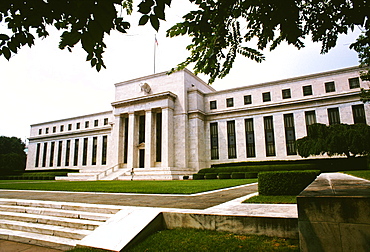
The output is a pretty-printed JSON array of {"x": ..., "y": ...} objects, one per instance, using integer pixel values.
[{"x": 222, "y": 202}]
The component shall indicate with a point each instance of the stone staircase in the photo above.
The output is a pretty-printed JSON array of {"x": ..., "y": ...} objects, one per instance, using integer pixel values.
[{"x": 59, "y": 225}]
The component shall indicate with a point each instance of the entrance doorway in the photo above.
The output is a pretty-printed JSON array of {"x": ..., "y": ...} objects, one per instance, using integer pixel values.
[{"x": 141, "y": 158}]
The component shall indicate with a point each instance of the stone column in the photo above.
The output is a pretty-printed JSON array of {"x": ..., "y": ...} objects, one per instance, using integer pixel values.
[
  {"x": 167, "y": 137},
  {"x": 116, "y": 140},
  {"x": 131, "y": 148},
  {"x": 148, "y": 139}
]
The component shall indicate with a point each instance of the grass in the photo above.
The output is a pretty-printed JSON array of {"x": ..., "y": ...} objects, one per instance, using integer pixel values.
[
  {"x": 194, "y": 240},
  {"x": 165, "y": 187},
  {"x": 281, "y": 199},
  {"x": 365, "y": 174}
]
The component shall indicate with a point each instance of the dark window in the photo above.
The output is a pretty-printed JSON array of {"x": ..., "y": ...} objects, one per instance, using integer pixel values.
[
  {"x": 84, "y": 153},
  {"x": 354, "y": 83},
  {"x": 69, "y": 126},
  {"x": 68, "y": 152},
  {"x": 104, "y": 150},
  {"x": 61, "y": 128},
  {"x": 142, "y": 129},
  {"x": 213, "y": 105},
  {"x": 125, "y": 143},
  {"x": 358, "y": 112},
  {"x": 231, "y": 139},
  {"x": 54, "y": 129},
  {"x": 44, "y": 154},
  {"x": 307, "y": 90},
  {"x": 333, "y": 115},
  {"x": 141, "y": 158},
  {"x": 286, "y": 93},
  {"x": 214, "y": 140},
  {"x": 230, "y": 102},
  {"x": 158, "y": 134},
  {"x": 75, "y": 159},
  {"x": 94, "y": 150},
  {"x": 266, "y": 97},
  {"x": 37, "y": 155},
  {"x": 52, "y": 147},
  {"x": 249, "y": 135},
  {"x": 310, "y": 117},
  {"x": 59, "y": 159},
  {"x": 105, "y": 121},
  {"x": 86, "y": 124},
  {"x": 329, "y": 87},
  {"x": 77, "y": 125},
  {"x": 96, "y": 123},
  {"x": 47, "y": 131},
  {"x": 269, "y": 136},
  {"x": 290, "y": 134},
  {"x": 247, "y": 99},
  {"x": 40, "y": 131}
]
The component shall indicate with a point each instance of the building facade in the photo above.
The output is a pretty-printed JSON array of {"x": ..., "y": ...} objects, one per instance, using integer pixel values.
[{"x": 167, "y": 126}]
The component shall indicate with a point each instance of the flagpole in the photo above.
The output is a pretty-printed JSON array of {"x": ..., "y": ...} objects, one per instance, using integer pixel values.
[{"x": 155, "y": 45}]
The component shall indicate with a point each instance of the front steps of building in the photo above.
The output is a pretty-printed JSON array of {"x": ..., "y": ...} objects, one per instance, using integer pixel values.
[
  {"x": 56, "y": 225},
  {"x": 155, "y": 173}
]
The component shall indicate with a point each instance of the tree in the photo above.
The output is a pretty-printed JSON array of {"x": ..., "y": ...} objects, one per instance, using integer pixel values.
[
  {"x": 339, "y": 139},
  {"x": 12, "y": 155},
  {"x": 220, "y": 30}
]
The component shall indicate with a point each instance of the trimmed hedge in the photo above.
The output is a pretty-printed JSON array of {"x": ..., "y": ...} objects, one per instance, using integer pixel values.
[
  {"x": 285, "y": 182},
  {"x": 249, "y": 175},
  {"x": 238, "y": 175},
  {"x": 210, "y": 176},
  {"x": 224, "y": 175},
  {"x": 198, "y": 176}
]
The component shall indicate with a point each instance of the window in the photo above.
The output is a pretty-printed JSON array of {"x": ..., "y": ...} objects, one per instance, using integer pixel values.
[
  {"x": 47, "y": 131},
  {"x": 38, "y": 146},
  {"x": 84, "y": 153},
  {"x": 230, "y": 102},
  {"x": 354, "y": 83},
  {"x": 266, "y": 97},
  {"x": 96, "y": 123},
  {"x": 269, "y": 136},
  {"x": 247, "y": 99},
  {"x": 68, "y": 152},
  {"x": 125, "y": 143},
  {"x": 142, "y": 129},
  {"x": 213, "y": 105},
  {"x": 59, "y": 159},
  {"x": 329, "y": 87},
  {"x": 51, "y": 160},
  {"x": 310, "y": 117},
  {"x": 158, "y": 134},
  {"x": 307, "y": 90},
  {"x": 54, "y": 129},
  {"x": 290, "y": 134},
  {"x": 94, "y": 150},
  {"x": 75, "y": 158},
  {"x": 333, "y": 114},
  {"x": 44, "y": 154},
  {"x": 214, "y": 140},
  {"x": 86, "y": 124},
  {"x": 231, "y": 139},
  {"x": 104, "y": 150},
  {"x": 286, "y": 93},
  {"x": 61, "y": 128},
  {"x": 40, "y": 131},
  {"x": 78, "y": 125},
  {"x": 358, "y": 112},
  {"x": 69, "y": 126},
  {"x": 105, "y": 121},
  {"x": 249, "y": 136}
]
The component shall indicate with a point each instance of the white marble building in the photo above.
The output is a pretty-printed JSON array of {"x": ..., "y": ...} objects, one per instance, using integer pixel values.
[{"x": 165, "y": 127}]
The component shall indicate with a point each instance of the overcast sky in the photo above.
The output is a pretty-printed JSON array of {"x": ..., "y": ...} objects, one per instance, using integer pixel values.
[{"x": 44, "y": 83}]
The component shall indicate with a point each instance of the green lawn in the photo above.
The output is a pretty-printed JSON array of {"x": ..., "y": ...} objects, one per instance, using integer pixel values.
[
  {"x": 272, "y": 199},
  {"x": 365, "y": 174},
  {"x": 168, "y": 186},
  {"x": 204, "y": 240}
]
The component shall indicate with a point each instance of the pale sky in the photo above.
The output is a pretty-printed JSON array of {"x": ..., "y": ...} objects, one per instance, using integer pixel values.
[{"x": 43, "y": 83}]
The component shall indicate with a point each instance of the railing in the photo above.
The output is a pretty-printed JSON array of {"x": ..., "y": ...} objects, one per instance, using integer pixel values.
[{"x": 108, "y": 171}]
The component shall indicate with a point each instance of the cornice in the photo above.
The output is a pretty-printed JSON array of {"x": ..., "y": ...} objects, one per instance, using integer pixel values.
[
  {"x": 74, "y": 134},
  {"x": 146, "y": 98}
]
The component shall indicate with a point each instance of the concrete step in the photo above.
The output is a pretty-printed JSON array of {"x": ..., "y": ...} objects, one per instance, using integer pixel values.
[
  {"x": 44, "y": 229},
  {"x": 38, "y": 239}
]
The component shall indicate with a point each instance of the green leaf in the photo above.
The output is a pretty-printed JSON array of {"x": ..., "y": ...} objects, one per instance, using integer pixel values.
[
  {"x": 4, "y": 37},
  {"x": 6, "y": 52},
  {"x": 93, "y": 62},
  {"x": 155, "y": 22},
  {"x": 143, "y": 20}
]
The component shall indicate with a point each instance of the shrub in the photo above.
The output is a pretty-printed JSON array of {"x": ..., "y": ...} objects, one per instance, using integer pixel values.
[
  {"x": 284, "y": 182},
  {"x": 249, "y": 175},
  {"x": 210, "y": 176},
  {"x": 238, "y": 175},
  {"x": 185, "y": 177},
  {"x": 224, "y": 175},
  {"x": 198, "y": 176}
]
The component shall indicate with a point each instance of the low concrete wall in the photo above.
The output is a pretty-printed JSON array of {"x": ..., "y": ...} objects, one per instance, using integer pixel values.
[
  {"x": 270, "y": 226},
  {"x": 334, "y": 214}
]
